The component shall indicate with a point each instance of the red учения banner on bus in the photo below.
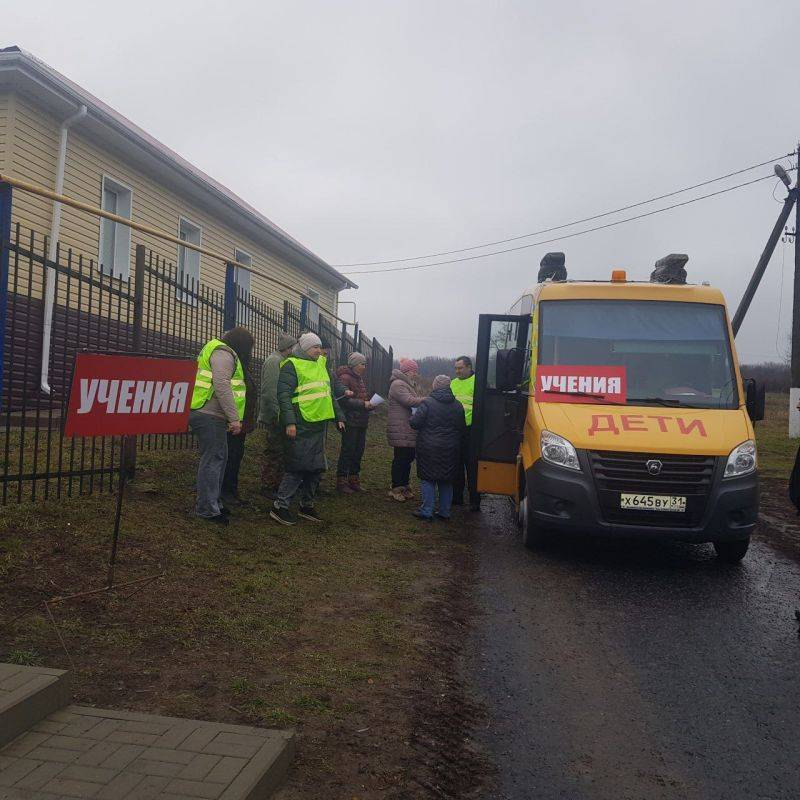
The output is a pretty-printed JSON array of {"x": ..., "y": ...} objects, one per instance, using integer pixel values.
[
  {"x": 580, "y": 384},
  {"x": 117, "y": 395}
]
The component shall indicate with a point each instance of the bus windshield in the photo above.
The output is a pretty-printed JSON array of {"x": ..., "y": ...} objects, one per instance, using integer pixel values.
[{"x": 674, "y": 354}]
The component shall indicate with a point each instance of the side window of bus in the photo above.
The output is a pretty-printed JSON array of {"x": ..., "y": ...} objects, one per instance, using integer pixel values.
[
  {"x": 502, "y": 336},
  {"x": 526, "y": 373}
]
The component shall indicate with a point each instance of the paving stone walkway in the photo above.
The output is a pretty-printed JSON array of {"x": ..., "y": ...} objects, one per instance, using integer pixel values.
[{"x": 81, "y": 752}]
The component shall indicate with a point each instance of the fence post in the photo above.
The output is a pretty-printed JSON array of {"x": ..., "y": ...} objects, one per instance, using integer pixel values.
[
  {"x": 136, "y": 346},
  {"x": 138, "y": 298},
  {"x": 303, "y": 313},
  {"x": 231, "y": 300},
  {"x": 286, "y": 316},
  {"x": 5, "y": 244},
  {"x": 343, "y": 354}
]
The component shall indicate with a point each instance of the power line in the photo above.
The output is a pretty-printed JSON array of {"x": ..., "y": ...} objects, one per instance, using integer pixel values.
[
  {"x": 566, "y": 236},
  {"x": 566, "y": 225}
]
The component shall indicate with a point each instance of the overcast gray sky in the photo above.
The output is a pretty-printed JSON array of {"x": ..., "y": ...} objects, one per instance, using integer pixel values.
[{"x": 375, "y": 130}]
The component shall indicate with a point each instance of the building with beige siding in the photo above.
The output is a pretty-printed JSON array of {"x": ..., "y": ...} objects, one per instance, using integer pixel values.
[{"x": 56, "y": 134}]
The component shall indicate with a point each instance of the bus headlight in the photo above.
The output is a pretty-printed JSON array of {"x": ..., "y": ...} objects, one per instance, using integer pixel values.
[
  {"x": 557, "y": 450},
  {"x": 742, "y": 460}
]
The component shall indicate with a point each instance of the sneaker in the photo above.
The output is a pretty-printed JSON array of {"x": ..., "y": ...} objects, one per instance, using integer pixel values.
[
  {"x": 397, "y": 494},
  {"x": 309, "y": 513},
  {"x": 355, "y": 484},
  {"x": 408, "y": 493},
  {"x": 419, "y": 515},
  {"x": 283, "y": 516},
  {"x": 442, "y": 517}
]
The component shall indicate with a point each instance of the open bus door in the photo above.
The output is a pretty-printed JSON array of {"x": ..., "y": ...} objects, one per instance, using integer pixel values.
[{"x": 500, "y": 402}]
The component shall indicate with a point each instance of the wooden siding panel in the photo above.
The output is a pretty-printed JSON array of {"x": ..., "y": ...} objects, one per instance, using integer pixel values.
[
  {"x": 35, "y": 154},
  {"x": 4, "y": 124}
]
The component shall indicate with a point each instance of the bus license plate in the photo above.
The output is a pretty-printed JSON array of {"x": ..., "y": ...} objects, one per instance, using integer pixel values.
[{"x": 652, "y": 502}]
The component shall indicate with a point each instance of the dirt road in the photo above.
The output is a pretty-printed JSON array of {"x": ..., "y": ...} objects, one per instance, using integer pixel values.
[{"x": 617, "y": 671}]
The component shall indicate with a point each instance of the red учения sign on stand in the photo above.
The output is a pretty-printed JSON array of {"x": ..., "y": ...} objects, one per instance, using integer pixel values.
[
  {"x": 567, "y": 383},
  {"x": 127, "y": 395},
  {"x": 121, "y": 395}
]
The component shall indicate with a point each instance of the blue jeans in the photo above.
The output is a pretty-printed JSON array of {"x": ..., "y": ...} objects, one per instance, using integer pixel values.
[{"x": 429, "y": 498}]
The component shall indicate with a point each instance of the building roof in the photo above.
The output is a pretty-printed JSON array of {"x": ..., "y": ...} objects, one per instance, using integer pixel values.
[{"x": 25, "y": 71}]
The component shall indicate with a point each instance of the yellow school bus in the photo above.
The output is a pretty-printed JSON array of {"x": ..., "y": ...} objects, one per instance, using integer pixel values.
[{"x": 616, "y": 408}]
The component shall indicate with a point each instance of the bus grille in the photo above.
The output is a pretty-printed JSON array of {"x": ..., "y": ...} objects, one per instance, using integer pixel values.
[{"x": 685, "y": 476}]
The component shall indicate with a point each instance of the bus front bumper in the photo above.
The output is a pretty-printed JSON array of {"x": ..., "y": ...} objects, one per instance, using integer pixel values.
[{"x": 566, "y": 501}]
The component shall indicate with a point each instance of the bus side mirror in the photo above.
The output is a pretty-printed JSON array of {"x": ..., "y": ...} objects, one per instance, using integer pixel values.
[
  {"x": 755, "y": 399},
  {"x": 510, "y": 363}
]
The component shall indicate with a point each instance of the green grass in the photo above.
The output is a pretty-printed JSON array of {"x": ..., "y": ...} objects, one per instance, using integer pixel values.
[
  {"x": 255, "y": 622},
  {"x": 776, "y": 451},
  {"x": 24, "y": 658}
]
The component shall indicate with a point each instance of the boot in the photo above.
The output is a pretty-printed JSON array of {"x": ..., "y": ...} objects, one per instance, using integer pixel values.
[
  {"x": 355, "y": 484},
  {"x": 397, "y": 494},
  {"x": 408, "y": 492},
  {"x": 343, "y": 486}
]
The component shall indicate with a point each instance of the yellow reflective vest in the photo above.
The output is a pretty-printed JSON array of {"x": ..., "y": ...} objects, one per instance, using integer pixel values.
[
  {"x": 203, "y": 385},
  {"x": 313, "y": 393},
  {"x": 464, "y": 391}
]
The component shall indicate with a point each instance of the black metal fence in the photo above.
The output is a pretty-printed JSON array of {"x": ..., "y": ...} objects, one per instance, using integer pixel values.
[{"x": 157, "y": 311}]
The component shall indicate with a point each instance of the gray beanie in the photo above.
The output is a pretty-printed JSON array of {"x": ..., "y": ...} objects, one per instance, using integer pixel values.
[
  {"x": 308, "y": 340},
  {"x": 286, "y": 341},
  {"x": 441, "y": 382},
  {"x": 355, "y": 359}
]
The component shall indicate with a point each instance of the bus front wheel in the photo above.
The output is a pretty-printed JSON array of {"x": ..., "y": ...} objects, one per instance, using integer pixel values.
[
  {"x": 533, "y": 537},
  {"x": 732, "y": 552}
]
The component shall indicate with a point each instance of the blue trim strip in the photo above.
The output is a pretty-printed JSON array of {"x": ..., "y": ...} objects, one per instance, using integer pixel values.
[
  {"x": 231, "y": 300},
  {"x": 5, "y": 242}
]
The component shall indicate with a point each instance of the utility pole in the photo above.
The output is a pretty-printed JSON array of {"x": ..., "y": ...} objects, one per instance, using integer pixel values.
[{"x": 794, "y": 391}]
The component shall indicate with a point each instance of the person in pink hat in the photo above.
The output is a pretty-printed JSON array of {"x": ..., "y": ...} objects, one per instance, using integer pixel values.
[{"x": 403, "y": 396}]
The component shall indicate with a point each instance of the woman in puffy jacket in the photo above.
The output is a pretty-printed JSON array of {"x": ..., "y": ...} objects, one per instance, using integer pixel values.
[
  {"x": 439, "y": 423},
  {"x": 403, "y": 396}
]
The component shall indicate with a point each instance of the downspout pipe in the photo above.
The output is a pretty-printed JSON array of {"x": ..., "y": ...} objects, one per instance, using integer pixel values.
[{"x": 55, "y": 230}]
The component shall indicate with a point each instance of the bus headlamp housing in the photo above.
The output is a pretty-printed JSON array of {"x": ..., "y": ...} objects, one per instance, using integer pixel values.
[
  {"x": 559, "y": 451},
  {"x": 742, "y": 460}
]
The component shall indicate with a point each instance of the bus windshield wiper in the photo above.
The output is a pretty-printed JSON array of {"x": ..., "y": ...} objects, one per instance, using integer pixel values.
[
  {"x": 661, "y": 401},
  {"x": 601, "y": 397}
]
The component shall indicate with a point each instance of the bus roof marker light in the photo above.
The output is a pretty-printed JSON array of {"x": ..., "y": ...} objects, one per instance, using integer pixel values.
[
  {"x": 670, "y": 269},
  {"x": 619, "y": 276}
]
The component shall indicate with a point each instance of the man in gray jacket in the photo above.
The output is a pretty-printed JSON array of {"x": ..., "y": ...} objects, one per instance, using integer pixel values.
[{"x": 272, "y": 464}]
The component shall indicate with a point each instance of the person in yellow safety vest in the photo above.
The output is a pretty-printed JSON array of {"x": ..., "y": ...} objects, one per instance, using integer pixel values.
[
  {"x": 306, "y": 404},
  {"x": 218, "y": 405},
  {"x": 463, "y": 387}
]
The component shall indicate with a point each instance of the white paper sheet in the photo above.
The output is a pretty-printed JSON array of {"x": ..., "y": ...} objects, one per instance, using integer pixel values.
[{"x": 376, "y": 400}]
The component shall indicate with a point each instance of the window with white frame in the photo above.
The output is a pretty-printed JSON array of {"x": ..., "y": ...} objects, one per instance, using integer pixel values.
[
  {"x": 115, "y": 238},
  {"x": 189, "y": 260},
  {"x": 243, "y": 277},
  {"x": 312, "y": 306}
]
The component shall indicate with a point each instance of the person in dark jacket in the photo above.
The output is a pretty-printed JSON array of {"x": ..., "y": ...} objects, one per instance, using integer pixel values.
[
  {"x": 230, "y": 480},
  {"x": 269, "y": 416},
  {"x": 306, "y": 405},
  {"x": 354, "y": 437},
  {"x": 439, "y": 423}
]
